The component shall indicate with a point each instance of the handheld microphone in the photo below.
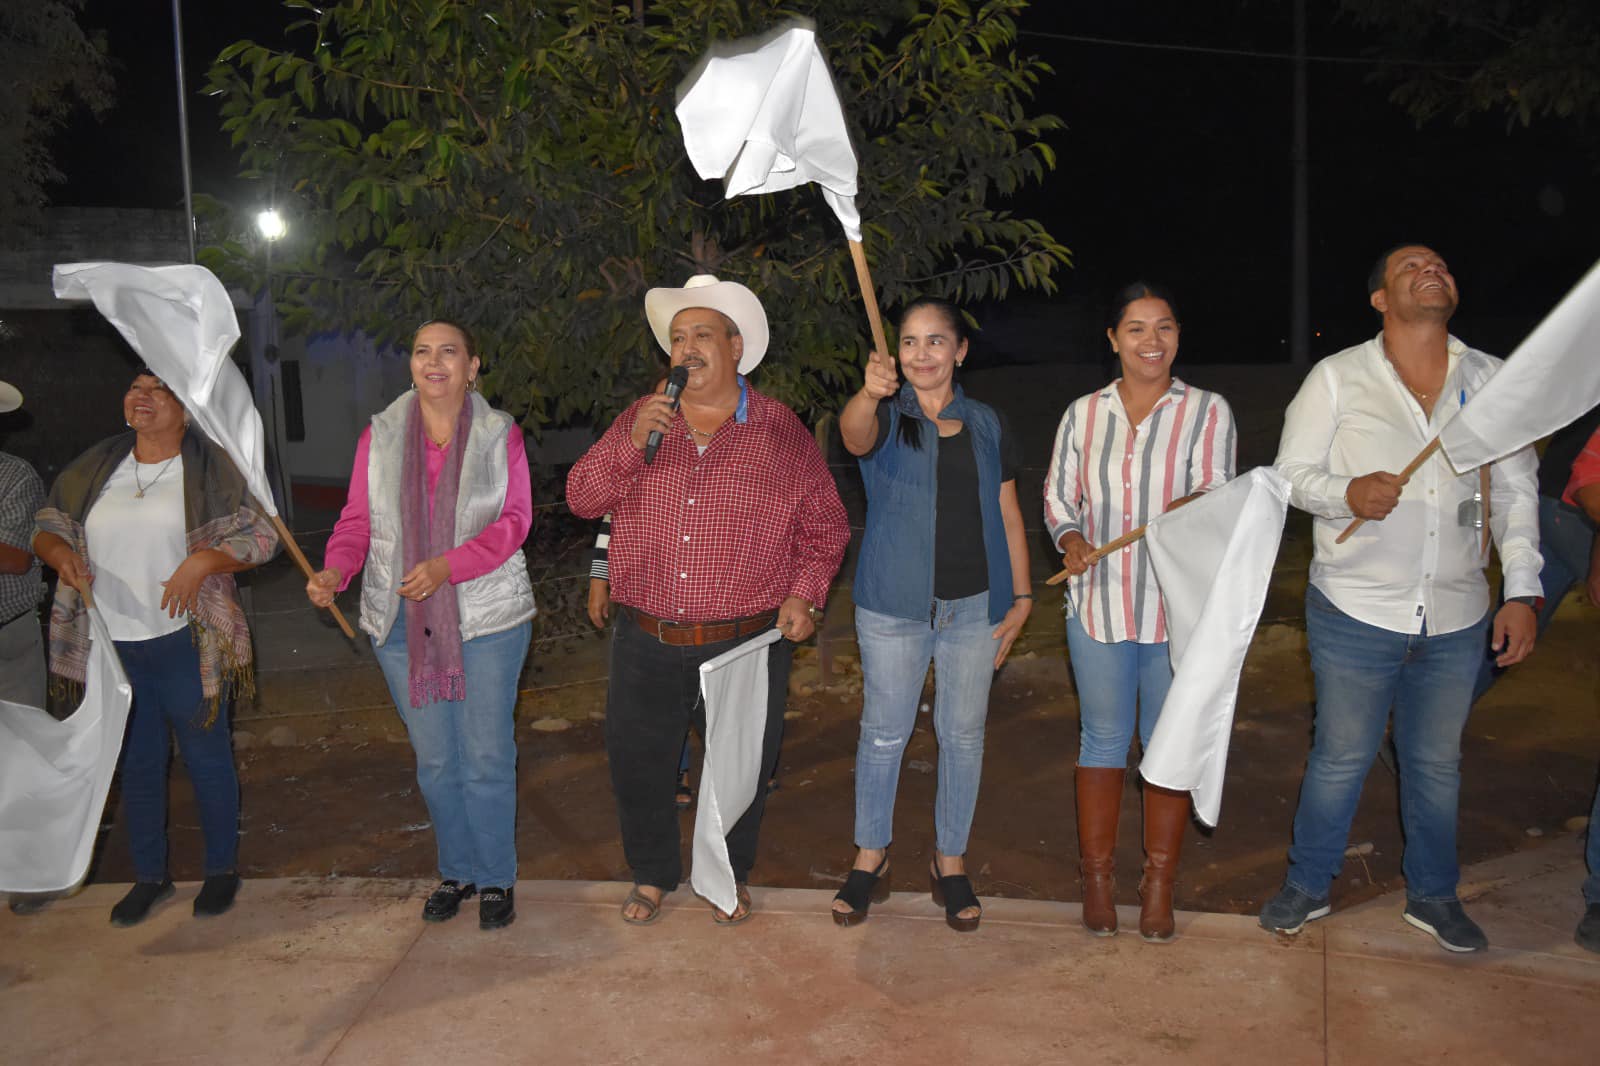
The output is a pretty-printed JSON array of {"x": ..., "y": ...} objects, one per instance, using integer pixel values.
[{"x": 675, "y": 383}]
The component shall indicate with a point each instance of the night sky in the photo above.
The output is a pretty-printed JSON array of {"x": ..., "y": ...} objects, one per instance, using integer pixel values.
[{"x": 1174, "y": 166}]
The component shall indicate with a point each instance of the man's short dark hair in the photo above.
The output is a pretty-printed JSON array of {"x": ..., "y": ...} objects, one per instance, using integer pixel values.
[{"x": 1380, "y": 269}]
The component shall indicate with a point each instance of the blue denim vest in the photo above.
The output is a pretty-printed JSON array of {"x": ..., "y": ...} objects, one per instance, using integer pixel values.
[{"x": 894, "y": 573}]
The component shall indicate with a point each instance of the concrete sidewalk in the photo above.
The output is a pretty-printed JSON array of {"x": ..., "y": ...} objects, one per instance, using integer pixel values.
[{"x": 344, "y": 971}]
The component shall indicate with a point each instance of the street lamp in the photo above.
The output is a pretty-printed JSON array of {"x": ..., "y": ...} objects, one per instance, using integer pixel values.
[{"x": 270, "y": 225}]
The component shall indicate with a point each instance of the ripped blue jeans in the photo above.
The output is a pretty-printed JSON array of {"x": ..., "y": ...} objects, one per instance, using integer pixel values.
[{"x": 895, "y": 653}]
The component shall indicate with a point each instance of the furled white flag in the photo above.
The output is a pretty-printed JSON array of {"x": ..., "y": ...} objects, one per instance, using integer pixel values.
[
  {"x": 1214, "y": 560},
  {"x": 734, "y": 686},
  {"x": 54, "y": 776},
  {"x": 181, "y": 322},
  {"x": 762, "y": 115},
  {"x": 1552, "y": 379}
]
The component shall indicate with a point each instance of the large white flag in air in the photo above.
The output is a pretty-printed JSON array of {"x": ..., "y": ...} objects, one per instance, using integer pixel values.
[
  {"x": 762, "y": 115},
  {"x": 1214, "y": 560},
  {"x": 54, "y": 776},
  {"x": 181, "y": 322},
  {"x": 1552, "y": 379},
  {"x": 734, "y": 686}
]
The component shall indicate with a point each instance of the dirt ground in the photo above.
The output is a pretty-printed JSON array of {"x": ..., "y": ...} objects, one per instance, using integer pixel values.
[
  {"x": 328, "y": 785},
  {"x": 344, "y": 802}
]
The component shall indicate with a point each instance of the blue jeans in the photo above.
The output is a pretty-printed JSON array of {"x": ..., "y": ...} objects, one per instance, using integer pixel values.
[
  {"x": 1114, "y": 682},
  {"x": 1362, "y": 672},
  {"x": 1565, "y": 541},
  {"x": 167, "y": 701},
  {"x": 467, "y": 753},
  {"x": 1591, "y": 855},
  {"x": 894, "y": 663}
]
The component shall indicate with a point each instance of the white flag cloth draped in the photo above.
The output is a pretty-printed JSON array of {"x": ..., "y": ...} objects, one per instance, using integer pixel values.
[
  {"x": 1214, "y": 560},
  {"x": 54, "y": 776},
  {"x": 181, "y": 321},
  {"x": 734, "y": 686},
  {"x": 762, "y": 114},
  {"x": 1550, "y": 380}
]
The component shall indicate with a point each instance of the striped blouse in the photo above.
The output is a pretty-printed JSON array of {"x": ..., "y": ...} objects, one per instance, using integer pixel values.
[{"x": 1107, "y": 478}]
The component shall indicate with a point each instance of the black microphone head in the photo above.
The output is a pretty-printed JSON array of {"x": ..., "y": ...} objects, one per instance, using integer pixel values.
[{"x": 676, "y": 380}]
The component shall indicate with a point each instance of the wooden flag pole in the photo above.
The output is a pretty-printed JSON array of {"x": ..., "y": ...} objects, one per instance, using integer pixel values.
[
  {"x": 1405, "y": 475},
  {"x": 1122, "y": 541},
  {"x": 305, "y": 566},
  {"x": 869, "y": 297}
]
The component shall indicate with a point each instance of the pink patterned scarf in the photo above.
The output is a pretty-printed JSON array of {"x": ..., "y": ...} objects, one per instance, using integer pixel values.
[{"x": 433, "y": 626}]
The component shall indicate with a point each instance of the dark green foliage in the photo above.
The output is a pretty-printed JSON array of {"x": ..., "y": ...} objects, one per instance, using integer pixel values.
[
  {"x": 50, "y": 66},
  {"x": 518, "y": 165},
  {"x": 1529, "y": 59}
]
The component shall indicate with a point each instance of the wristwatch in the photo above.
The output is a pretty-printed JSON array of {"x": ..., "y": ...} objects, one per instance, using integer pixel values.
[
  {"x": 815, "y": 612},
  {"x": 1535, "y": 602}
]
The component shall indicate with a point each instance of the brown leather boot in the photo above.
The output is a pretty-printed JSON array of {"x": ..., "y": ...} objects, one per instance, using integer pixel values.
[
  {"x": 1099, "y": 805},
  {"x": 1166, "y": 816}
]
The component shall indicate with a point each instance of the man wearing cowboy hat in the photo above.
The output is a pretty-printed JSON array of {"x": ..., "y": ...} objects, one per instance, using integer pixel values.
[
  {"x": 734, "y": 526},
  {"x": 22, "y": 674}
]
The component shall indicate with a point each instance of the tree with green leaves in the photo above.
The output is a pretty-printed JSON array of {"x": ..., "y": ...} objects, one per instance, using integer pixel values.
[
  {"x": 51, "y": 65},
  {"x": 518, "y": 165},
  {"x": 1528, "y": 59}
]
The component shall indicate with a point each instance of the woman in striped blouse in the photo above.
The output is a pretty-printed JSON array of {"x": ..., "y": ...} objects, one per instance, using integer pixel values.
[{"x": 1123, "y": 455}]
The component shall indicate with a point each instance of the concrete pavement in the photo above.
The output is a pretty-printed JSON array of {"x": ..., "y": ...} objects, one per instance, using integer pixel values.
[{"x": 344, "y": 972}]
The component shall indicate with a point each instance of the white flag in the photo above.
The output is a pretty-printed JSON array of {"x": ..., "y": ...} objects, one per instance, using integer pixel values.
[
  {"x": 54, "y": 776},
  {"x": 1552, "y": 379},
  {"x": 181, "y": 322},
  {"x": 762, "y": 114},
  {"x": 1214, "y": 560},
  {"x": 734, "y": 686}
]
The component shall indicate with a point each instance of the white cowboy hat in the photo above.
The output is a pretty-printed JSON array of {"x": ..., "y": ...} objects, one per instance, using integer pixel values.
[
  {"x": 10, "y": 398},
  {"x": 704, "y": 290}
]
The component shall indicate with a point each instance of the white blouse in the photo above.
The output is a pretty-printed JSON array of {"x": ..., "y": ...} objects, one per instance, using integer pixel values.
[{"x": 135, "y": 543}]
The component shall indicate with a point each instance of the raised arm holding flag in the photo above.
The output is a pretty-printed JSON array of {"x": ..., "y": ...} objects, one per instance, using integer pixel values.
[
  {"x": 181, "y": 322},
  {"x": 762, "y": 115}
]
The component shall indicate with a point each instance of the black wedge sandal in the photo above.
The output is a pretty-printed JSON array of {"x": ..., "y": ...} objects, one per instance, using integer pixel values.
[
  {"x": 954, "y": 893},
  {"x": 862, "y": 889}
]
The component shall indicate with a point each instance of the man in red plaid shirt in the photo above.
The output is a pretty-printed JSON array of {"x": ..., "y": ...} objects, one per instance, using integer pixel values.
[{"x": 735, "y": 525}]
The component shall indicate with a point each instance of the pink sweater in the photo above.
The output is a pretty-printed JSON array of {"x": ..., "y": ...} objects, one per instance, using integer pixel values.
[{"x": 347, "y": 548}]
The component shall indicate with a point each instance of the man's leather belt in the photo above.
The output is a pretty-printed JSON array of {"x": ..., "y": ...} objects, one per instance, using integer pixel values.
[{"x": 690, "y": 634}]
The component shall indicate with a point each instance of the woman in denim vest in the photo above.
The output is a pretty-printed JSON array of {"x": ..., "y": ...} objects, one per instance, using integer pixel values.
[
  {"x": 943, "y": 576},
  {"x": 1141, "y": 445},
  {"x": 438, "y": 508}
]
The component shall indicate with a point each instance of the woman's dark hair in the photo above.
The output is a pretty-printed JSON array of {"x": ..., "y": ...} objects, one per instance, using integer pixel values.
[
  {"x": 1139, "y": 290},
  {"x": 910, "y": 429},
  {"x": 466, "y": 334}
]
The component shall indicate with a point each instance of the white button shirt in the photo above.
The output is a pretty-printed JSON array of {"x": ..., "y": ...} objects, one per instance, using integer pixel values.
[{"x": 1353, "y": 416}]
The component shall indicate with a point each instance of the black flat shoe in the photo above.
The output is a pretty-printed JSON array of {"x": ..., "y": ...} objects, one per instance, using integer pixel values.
[
  {"x": 135, "y": 906},
  {"x": 216, "y": 895},
  {"x": 954, "y": 893},
  {"x": 862, "y": 889},
  {"x": 496, "y": 908},
  {"x": 446, "y": 900}
]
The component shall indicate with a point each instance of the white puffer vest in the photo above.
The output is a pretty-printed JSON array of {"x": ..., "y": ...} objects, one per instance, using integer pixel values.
[{"x": 494, "y": 602}]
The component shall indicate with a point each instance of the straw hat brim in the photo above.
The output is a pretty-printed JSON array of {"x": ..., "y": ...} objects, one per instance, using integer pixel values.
[{"x": 704, "y": 290}]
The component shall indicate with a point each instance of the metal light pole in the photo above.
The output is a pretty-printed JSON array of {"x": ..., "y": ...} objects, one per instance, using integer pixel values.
[
  {"x": 1300, "y": 252},
  {"x": 183, "y": 126}
]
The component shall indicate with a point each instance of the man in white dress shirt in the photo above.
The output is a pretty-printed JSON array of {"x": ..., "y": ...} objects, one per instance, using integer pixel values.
[{"x": 1398, "y": 616}]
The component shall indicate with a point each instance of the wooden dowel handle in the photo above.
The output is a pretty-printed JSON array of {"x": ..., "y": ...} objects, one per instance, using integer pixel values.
[
  {"x": 869, "y": 297},
  {"x": 305, "y": 567},
  {"x": 1405, "y": 475}
]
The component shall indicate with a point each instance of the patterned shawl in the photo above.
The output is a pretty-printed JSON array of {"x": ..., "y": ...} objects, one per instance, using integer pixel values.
[{"x": 218, "y": 512}]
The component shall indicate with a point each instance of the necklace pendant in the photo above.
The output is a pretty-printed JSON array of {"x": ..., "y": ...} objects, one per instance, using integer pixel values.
[{"x": 139, "y": 495}]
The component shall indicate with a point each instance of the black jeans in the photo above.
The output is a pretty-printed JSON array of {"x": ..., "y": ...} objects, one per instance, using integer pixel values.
[{"x": 653, "y": 697}]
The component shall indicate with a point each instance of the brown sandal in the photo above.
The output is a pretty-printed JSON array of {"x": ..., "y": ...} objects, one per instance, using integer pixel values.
[
  {"x": 652, "y": 907},
  {"x": 741, "y": 912}
]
